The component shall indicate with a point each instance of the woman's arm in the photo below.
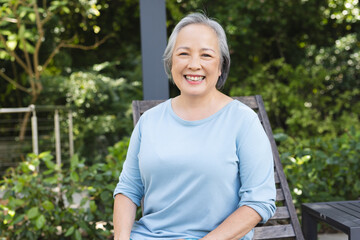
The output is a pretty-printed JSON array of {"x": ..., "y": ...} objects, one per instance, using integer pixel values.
[
  {"x": 239, "y": 223},
  {"x": 123, "y": 217},
  {"x": 257, "y": 192}
]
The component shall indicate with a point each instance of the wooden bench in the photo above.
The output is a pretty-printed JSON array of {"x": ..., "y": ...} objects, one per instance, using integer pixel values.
[{"x": 284, "y": 224}]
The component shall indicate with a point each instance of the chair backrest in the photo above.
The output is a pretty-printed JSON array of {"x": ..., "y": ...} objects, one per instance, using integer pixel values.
[{"x": 284, "y": 224}]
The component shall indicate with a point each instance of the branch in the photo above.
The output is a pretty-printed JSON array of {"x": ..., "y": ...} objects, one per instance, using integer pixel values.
[
  {"x": 66, "y": 45},
  {"x": 13, "y": 82},
  {"x": 47, "y": 18},
  {"x": 54, "y": 52},
  {"x": 95, "y": 45},
  {"x": 22, "y": 39},
  {"x": 37, "y": 46},
  {"x": 7, "y": 19},
  {"x": 13, "y": 54}
]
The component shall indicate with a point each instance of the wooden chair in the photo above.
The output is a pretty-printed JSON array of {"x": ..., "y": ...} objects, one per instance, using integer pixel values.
[{"x": 284, "y": 224}]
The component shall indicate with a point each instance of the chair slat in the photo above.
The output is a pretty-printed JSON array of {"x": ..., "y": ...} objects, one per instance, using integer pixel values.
[
  {"x": 279, "y": 169},
  {"x": 250, "y": 101},
  {"x": 279, "y": 195},
  {"x": 281, "y": 213},
  {"x": 274, "y": 232}
]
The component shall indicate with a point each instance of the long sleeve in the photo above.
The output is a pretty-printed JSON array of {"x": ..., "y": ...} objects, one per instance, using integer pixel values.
[
  {"x": 256, "y": 167},
  {"x": 130, "y": 183}
]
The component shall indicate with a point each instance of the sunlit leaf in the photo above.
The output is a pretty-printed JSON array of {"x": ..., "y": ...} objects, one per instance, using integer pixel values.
[
  {"x": 70, "y": 231},
  {"x": 11, "y": 44},
  {"x": 32, "y": 212},
  {"x": 32, "y": 17},
  {"x": 47, "y": 205},
  {"x": 21, "y": 31},
  {"x": 74, "y": 176},
  {"x": 40, "y": 221}
]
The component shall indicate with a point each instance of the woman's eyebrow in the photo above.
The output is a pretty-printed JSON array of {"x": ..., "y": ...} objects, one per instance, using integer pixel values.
[
  {"x": 185, "y": 48},
  {"x": 202, "y": 49},
  {"x": 207, "y": 49}
]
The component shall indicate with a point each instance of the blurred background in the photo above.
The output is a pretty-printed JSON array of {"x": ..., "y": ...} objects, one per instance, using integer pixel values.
[{"x": 83, "y": 59}]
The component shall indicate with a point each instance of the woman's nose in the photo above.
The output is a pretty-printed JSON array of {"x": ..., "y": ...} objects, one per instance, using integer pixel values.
[{"x": 194, "y": 63}]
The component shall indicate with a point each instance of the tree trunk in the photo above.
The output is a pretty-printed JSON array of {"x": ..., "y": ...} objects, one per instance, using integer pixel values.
[{"x": 26, "y": 119}]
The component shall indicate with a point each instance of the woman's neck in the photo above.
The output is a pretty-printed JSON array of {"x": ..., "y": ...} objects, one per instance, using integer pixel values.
[{"x": 194, "y": 108}]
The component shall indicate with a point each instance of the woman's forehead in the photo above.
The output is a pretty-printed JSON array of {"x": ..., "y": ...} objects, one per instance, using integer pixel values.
[{"x": 197, "y": 34}]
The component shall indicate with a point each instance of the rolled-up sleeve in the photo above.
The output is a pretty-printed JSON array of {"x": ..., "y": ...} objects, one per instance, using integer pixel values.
[
  {"x": 130, "y": 183},
  {"x": 256, "y": 168}
]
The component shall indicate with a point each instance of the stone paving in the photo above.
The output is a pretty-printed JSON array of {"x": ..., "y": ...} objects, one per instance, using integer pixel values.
[{"x": 333, "y": 236}]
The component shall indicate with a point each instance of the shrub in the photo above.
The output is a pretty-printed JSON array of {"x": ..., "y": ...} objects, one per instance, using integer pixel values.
[
  {"x": 34, "y": 208},
  {"x": 101, "y": 104},
  {"x": 322, "y": 168}
]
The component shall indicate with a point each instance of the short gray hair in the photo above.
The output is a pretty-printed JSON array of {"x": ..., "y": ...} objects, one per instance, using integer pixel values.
[{"x": 198, "y": 18}]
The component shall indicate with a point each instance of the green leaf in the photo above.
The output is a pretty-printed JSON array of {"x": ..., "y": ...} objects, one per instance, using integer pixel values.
[
  {"x": 74, "y": 161},
  {"x": 78, "y": 235},
  {"x": 47, "y": 172},
  {"x": 31, "y": 155},
  {"x": 18, "y": 219},
  {"x": 33, "y": 212},
  {"x": 45, "y": 156},
  {"x": 70, "y": 231},
  {"x": 93, "y": 206},
  {"x": 18, "y": 202},
  {"x": 40, "y": 221},
  {"x": 74, "y": 176},
  {"x": 11, "y": 44},
  {"x": 4, "y": 55},
  {"x": 83, "y": 201},
  {"x": 22, "y": 14},
  {"x": 105, "y": 196},
  {"x": 18, "y": 188},
  {"x": 32, "y": 17},
  {"x": 51, "y": 180},
  {"x": 47, "y": 205},
  {"x": 49, "y": 164},
  {"x": 280, "y": 137},
  {"x": 21, "y": 31},
  {"x": 66, "y": 10}
]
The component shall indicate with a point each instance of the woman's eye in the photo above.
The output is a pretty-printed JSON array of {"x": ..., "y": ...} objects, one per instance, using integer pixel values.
[
  {"x": 183, "y": 54},
  {"x": 206, "y": 55}
]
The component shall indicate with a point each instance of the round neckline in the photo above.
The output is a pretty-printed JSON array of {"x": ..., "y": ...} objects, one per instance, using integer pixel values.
[{"x": 197, "y": 122}]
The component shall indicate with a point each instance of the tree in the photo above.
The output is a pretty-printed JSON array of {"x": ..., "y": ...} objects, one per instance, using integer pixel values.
[{"x": 28, "y": 25}]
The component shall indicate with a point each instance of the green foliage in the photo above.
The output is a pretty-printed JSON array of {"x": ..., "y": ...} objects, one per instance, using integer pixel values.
[
  {"x": 101, "y": 104},
  {"x": 33, "y": 207},
  {"x": 316, "y": 103},
  {"x": 322, "y": 168},
  {"x": 33, "y": 32},
  {"x": 315, "y": 97},
  {"x": 103, "y": 110}
]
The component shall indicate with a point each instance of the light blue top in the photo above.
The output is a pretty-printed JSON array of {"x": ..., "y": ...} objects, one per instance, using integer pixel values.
[{"x": 194, "y": 174}]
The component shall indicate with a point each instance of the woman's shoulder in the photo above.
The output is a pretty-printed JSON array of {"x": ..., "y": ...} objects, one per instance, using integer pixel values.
[
  {"x": 156, "y": 111},
  {"x": 239, "y": 108}
]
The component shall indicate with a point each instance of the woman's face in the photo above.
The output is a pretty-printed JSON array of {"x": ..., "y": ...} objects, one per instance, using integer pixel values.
[{"x": 196, "y": 61}]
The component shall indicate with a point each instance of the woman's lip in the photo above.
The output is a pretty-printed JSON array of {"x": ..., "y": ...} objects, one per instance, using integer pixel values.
[
  {"x": 194, "y": 77},
  {"x": 194, "y": 82}
]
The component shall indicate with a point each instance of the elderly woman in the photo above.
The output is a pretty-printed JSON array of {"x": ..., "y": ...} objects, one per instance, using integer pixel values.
[{"x": 201, "y": 161}]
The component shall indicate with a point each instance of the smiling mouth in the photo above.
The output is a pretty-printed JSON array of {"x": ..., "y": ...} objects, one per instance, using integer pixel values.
[{"x": 194, "y": 78}]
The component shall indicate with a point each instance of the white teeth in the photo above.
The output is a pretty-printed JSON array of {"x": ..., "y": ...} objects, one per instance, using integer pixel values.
[{"x": 191, "y": 78}]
